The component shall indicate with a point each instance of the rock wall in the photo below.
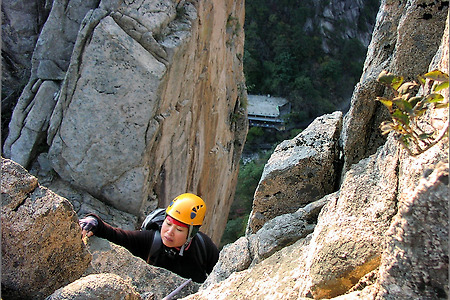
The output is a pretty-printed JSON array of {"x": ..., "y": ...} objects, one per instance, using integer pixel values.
[
  {"x": 406, "y": 36},
  {"x": 342, "y": 19},
  {"x": 21, "y": 23},
  {"x": 378, "y": 235},
  {"x": 138, "y": 102}
]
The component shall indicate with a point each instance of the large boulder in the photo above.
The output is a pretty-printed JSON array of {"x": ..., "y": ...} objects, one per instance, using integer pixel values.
[
  {"x": 273, "y": 278},
  {"x": 362, "y": 246},
  {"x": 42, "y": 248},
  {"x": 348, "y": 239},
  {"x": 383, "y": 235},
  {"x": 21, "y": 21},
  {"x": 83, "y": 202},
  {"x": 50, "y": 61},
  {"x": 145, "y": 279},
  {"x": 300, "y": 171},
  {"x": 97, "y": 286}
]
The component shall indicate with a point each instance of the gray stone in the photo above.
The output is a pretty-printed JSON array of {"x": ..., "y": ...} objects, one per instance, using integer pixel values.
[
  {"x": 122, "y": 110},
  {"x": 348, "y": 238},
  {"x": 151, "y": 105},
  {"x": 286, "y": 229},
  {"x": 49, "y": 70},
  {"x": 233, "y": 257},
  {"x": 300, "y": 171},
  {"x": 276, "y": 234},
  {"x": 21, "y": 21},
  {"x": 111, "y": 258},
  {"x": 97, "y": 286},
  {"x": 273, "y": 278},
  {"x": 34, "y": 130},
  {"x": 53, "y": 47}
]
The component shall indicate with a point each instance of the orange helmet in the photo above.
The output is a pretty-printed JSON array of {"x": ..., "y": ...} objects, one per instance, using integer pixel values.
[{"x": 187, "y": 208}]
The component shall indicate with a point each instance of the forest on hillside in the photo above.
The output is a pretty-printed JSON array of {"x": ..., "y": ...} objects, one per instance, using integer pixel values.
[{"x": 284, "y": 56}]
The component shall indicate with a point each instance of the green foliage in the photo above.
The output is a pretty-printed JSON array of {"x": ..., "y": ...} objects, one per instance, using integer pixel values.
[
  {"x": 407, "y": 107},
  {"x": 248, "y": 179},
  {"x": 283, "y": 58},
  {"x": 234, "y": 230}
]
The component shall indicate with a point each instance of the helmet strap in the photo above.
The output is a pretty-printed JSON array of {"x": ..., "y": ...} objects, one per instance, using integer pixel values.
[{"x": 188, "y": 240}]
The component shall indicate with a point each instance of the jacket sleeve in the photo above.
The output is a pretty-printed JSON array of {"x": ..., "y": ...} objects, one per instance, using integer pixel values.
[{"x": 138, "y": 242}]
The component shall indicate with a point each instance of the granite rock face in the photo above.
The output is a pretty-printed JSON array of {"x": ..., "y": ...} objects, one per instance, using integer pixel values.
[
  {"x": 300, "y": 171},
  {"x": 405, "y": 39},
  {"x": 143, "y": 101},
  {"x": 41, "y": 239},
  {"x": 384, "y": 233},
  {"x": 109, "y": 258},
  {"x": 104, "y": 286}
]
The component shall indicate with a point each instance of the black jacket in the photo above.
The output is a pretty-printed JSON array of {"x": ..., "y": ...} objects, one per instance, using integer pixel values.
[{"x": 139, "y": 242}]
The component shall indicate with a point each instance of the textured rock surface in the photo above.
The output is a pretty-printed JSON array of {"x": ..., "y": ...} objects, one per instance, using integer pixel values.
[
  {"x": 384, "y": 234},
  {"x": 273, "y": 278},
  {"x": 405, "y": 39},
  {"x": 276, "y": 234},
  {"x": 149, "y": 102},
  {"x": 83, "y": 202},
  {"x": 146, "y": 279},
  {"x": 361, "y": 244},
  {"x": 337, "y": 18},
  {"x": 21, "y": 22},
  {"x": 415, "y": 262},
  {"x": 50, "y": 60},
  {"x": 98, "y": 286},
  {"x": 299, "y": 171},
  {"x": 41, "y": 239},
  {"x": 347, "y": 241}
]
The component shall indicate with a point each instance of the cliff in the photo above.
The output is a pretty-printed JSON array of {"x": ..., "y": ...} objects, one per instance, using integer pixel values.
[
  {"x": 135, "y": 103},
  {"x": 380, "y": 233},
  {"x": 383, "y": 232}
]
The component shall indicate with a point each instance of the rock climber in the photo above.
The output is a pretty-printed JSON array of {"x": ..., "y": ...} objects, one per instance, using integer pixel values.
[{"x": 177, "y": 246}]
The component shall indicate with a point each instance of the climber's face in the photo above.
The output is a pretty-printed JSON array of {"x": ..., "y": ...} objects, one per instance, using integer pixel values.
[{"x": 173, "y": 235}]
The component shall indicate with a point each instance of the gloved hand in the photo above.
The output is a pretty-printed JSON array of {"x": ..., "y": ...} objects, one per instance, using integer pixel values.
[{"x": 88, "y": 226}]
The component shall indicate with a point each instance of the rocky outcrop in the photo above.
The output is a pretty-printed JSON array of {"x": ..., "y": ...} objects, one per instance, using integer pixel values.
[
  {"x": 300, "y": 171},
  {"x": 419, "y": 233},
  {"x": 350, "y": 231},
  {"x": 98, "y": 286},
  {"x": 41, "y": 245},
  {"x": 21, "y": 23},
  {"x": 383, "y": 234},
  {"x": 42, "y": 251},
  {"x": 276, "y": 234},
  {"x": 138, "y": 102},
  {"x": 341, "y": 19},
  {"x": 366, "y": 244},
  {"x": 145, "y": 279},
  {"x": 405, "y": 39}
]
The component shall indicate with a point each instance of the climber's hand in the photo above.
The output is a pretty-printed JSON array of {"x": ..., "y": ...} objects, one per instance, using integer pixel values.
[{"x": 88, "y": 226}]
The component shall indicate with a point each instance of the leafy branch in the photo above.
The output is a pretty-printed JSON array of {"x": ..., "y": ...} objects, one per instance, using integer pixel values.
[{"x": 407, "y": 107}]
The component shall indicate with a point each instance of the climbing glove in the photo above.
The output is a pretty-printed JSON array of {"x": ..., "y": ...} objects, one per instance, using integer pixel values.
[{"x": 89, "y": 224}]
